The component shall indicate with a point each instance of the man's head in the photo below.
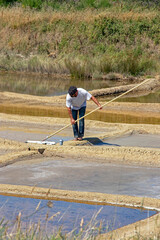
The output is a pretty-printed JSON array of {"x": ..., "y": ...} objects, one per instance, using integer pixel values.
[{"x": 72, "y": 91}]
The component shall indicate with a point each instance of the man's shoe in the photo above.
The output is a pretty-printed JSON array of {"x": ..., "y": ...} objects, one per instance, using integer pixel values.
[
  {"x": 80, "y": 139},
  {"x": 76, "y": 139}
]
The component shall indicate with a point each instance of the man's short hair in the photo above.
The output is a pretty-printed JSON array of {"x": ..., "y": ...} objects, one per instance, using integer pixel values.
[{"x": 72, "y": 90}]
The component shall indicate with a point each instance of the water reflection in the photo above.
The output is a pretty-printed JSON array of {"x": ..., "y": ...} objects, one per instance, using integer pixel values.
[
  {"x": 145, "y": 98},
  {"x": 149, "y": 98},
  {"x": 68, "y": 215},
  {"x": 44, "y": 85},
  {"x": 62, "y": 113}
]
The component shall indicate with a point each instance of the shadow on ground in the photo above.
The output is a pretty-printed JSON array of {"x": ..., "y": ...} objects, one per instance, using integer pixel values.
[{"x": 98, "y": 141}]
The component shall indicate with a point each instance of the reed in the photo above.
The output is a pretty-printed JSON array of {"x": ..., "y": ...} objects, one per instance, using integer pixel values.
[
  {"x": 27, "y": 226},
  {"x": 39, "y": 231},
  {"x": 91, "y": 231}
]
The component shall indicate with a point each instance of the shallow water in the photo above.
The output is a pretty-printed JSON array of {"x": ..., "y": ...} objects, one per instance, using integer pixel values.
[
  {"x": 44, "y": 85},
  {"x": 49, "y": 86},
  {"x": 134, "y": 140},
  {"x": 70, "y": 214},
  {"x": 153, "y": 97},
  {"x": 23, "y": 136},
  {"x": 101, "y": 116},
  {"x": 131, "y": 140},
  {"x": 79, "y": 175},
  {"x": 149, "y": 98}
]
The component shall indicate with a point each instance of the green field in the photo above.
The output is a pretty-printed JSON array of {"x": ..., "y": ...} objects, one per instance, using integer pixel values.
[{"x": 84, "y": 38}]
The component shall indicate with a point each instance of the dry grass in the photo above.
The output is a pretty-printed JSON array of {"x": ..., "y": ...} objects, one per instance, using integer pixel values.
[{"x": 17, "y": 17}]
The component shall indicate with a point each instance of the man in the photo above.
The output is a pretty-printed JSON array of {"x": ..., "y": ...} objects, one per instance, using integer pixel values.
[{"x": 76, "y": 102}]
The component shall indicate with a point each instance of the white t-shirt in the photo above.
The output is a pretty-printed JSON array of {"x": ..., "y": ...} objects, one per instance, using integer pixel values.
[{"x": 80, "y": 101}]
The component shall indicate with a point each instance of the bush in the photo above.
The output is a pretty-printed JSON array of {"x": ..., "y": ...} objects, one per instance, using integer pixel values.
[
  {"x": 32, "y": 3},
  {"x": 79, "y": 68},
  {"x": 7, "y": 2},
  {"x": 83, "y": 4},
  {"x": 134, "y": 62}
]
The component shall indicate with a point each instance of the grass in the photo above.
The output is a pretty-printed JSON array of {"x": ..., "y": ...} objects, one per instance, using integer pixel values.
[
  {"x": 22, "y": 230},
  {"x": 26, "y": 226},
  {"x": 82, "y": 4},
  {"x": 17, "y": 231},
  {"x": 39, "y": 231},
  {"x": 82, "y": 38}
]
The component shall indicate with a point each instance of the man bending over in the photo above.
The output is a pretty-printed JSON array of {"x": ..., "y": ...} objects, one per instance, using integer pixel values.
[{"x": 76, "y": 103}]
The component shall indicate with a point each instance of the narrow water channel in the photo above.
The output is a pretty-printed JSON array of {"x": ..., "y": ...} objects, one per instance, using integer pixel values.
[
  {"x": 62, "y": 113},
  {"x": 68, "y": 215}
]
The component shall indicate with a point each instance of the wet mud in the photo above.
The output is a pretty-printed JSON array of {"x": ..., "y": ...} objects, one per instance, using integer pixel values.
[{"x": 78, "y": 175}]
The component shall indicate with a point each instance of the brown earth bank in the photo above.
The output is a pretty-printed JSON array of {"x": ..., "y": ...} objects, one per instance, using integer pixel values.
[
  {"x": 12, "y": 151},
  {"x": 82, "y": 197},
  {"x": 144, "y": 229}
]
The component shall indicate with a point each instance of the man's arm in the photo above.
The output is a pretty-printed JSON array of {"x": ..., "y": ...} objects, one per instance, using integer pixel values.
[
  {"x": 96, "y": 102},
  {"x": 70, "y": 115}
]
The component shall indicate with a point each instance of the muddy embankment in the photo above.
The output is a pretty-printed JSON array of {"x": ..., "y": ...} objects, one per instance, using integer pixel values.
[
  {"x": 12, "y": 151},
  {"x": 150, "y": 85}
]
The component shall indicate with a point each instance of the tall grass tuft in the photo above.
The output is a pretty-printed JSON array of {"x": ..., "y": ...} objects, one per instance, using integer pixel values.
[
  {"x": 91, "y": 231},
  {"x": 134, "y": 63},
  {"x": 32, "y": 3},
  {"x": 79, "y": 68},
  {"x": 17, "y": 230},
  {"x": 127, "y": 62}
]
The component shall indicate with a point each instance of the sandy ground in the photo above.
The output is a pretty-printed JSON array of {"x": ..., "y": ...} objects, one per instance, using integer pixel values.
[{"x": 12, "y": 151}]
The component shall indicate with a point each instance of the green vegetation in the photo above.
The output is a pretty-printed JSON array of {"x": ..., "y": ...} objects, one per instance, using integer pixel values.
[
  {"x": 84, "y": 38},
  {"x": 17, "y": 231},
  {"x": 37, "y": 232},
  {"x": 21, "y": 230},
  {"x": 82, "y": 4}
]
